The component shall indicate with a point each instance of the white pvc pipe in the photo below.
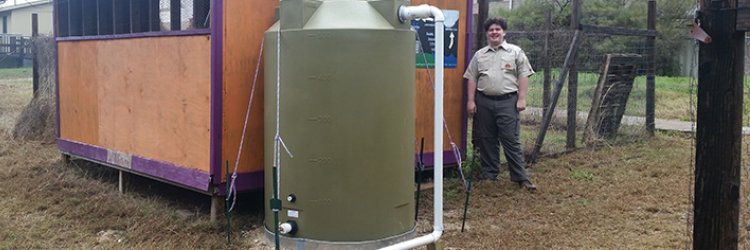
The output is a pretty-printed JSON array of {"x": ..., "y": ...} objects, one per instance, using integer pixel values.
[{"x": 423, "y": 11}]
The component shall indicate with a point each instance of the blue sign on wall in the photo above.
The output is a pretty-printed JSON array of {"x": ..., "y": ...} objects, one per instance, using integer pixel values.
[{"x": 425, "y": 29}]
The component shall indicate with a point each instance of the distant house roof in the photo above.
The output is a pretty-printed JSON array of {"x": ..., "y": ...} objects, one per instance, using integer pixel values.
[{"x": 25, "y": 5}]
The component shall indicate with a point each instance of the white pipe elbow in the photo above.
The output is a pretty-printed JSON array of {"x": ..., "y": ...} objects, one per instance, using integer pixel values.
[
  {"x": 416, "y": 242},
  {"x": 422, "y": 11}
]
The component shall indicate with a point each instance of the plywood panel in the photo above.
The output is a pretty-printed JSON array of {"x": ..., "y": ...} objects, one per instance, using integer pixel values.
[
  {"x": 454, "y": 86},
  {"x": 151, "y": 96},
  {"x": 78, "y": 94},
  {"x": 244, "y": 25}
]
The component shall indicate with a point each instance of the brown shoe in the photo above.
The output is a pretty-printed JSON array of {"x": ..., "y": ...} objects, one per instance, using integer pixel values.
[{"x": 528, "y": 185}]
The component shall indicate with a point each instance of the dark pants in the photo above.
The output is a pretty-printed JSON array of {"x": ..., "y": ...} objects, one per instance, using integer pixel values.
[{"x": 497, "y": 122}]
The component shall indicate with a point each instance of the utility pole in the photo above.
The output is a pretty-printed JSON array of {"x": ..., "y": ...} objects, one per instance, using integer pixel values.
[{"x": 719, "y": 128}]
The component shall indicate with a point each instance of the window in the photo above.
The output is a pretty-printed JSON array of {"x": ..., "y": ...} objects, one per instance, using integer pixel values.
[
  {"x": 113, "y": 17},
  {"x": 192, "y": 14}
]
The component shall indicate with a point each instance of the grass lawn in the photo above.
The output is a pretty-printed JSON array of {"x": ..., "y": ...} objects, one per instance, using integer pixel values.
[
  {"x": 672, "y": 95},
  {"x": 15, "y": 73}
]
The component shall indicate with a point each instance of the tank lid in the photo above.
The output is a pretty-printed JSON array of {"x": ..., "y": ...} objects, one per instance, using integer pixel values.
[{"x": 347, "y": 14}]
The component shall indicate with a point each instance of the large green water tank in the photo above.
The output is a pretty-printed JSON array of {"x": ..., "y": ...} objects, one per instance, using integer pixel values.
[{"x": 346, "y": 114}]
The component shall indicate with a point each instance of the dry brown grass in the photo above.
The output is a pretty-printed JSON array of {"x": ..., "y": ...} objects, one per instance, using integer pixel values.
[
  {"x": 46, "y": 204},
  {"x": 633, "y": 194},
  {"x": 15, "y": 95},
  {"x": 49, "y": 205},
  {"x": 622, "y": 197}
]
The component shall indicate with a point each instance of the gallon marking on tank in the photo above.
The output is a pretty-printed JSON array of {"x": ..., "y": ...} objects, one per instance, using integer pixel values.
[
  {"x": 320, "y": 77},
  {"x": 319, "y": 161},
  {"x": 322, "y": 200},
  {"x": 319, "y": 35},
  {"x": 320, "y": 118},
  {"x": 401, "y": 205}
]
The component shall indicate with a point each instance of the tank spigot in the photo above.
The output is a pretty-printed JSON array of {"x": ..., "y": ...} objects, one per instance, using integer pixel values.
[
  {"x": 291, "y": 198},
  {"x": 288, "y": 227}
]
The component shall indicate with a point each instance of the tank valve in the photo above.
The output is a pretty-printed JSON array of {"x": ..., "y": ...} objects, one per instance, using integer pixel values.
[
  {"x": 288, "y": 227},
  {"x": 291, "y": 198}
]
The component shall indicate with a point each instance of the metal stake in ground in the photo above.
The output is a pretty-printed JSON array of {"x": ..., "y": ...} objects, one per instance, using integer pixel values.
[
  {"x": 468, "y": 191},
  {"x": 420, "y": 168},
  {"x": 466, "y": 205}
]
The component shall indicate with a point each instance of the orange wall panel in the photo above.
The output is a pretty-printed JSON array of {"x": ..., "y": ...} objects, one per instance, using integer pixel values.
[
  {"x": 244, "y": 25},
  {"x": 79, "y": 110},
  {"x": 143, "y": 96},
  {"x": 453, "y": 83}
]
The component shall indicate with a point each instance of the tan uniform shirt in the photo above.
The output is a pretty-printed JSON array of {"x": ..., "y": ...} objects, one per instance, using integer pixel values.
[{"x": 496, "y": 71}]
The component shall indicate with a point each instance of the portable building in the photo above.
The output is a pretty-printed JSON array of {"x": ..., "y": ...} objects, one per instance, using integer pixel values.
[{"x": 160, "y": 88}]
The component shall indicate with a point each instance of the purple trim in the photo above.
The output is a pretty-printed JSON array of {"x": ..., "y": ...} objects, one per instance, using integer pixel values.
[
  {"x": 184, "y": 176},
  {"x": 467, "y": 58},
  {"x": 80, "y": 149},
  {"x": 57, "y": 70},
  {"x": 245, "y": 182},
  {"x": 137, "y": 35},
  {"x": 217, "y": 80},
  {"x": 448, "y": 158}
]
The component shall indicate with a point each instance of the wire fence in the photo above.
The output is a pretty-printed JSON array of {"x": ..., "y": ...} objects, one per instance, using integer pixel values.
[
  {"x": 15, "y": 51},
  {"x": 547, "y": 52}
]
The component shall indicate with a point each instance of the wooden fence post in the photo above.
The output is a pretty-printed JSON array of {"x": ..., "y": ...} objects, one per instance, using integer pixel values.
[
  {"x": 13, "y": 53},
  {"x": 650, "y": 68},
  {"x": 547, "y": 60},
  {"x": 570, "y": 141},
  {"x": 34, "y": 48}
]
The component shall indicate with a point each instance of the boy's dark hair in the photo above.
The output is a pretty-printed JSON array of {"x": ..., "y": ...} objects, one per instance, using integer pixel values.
[{"x": 495, "y": 20}]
